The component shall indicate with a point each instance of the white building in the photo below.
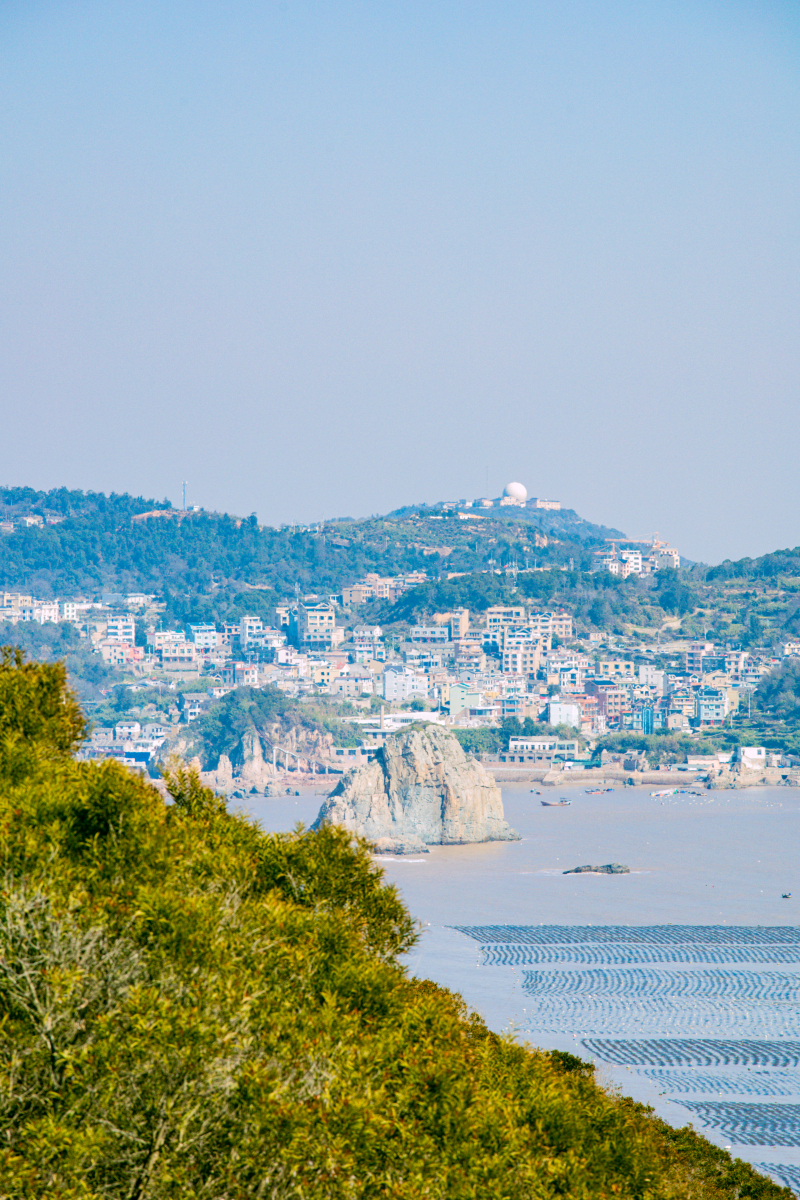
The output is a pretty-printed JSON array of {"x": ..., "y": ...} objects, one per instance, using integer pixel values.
[
  {"x": 205, "y": 637},
  {"x": 650, "y": 677},
  {"x": 401, "y": 683},
  {"x": 429, "y": 633},
  {"x": 121, "y": 629},
  {"x": 561, "y": 713},
  {"x": 368, "y": 644}
]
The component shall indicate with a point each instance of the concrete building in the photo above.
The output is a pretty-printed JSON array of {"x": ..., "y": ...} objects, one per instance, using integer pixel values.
[
  {"x": 205, "y": 637},
  {"x": 694, "y": 656},
  {"x": 178, "y": 656},
  {"x": 499, "y": 617},
  {"x": 193, "y": 704},
  {"x": 119, "y": 654},
  {"x": 711, "y": 706},
  {"x": 165, "y": 637},
  {"x": 522, "y": 658},
  {"x": 368, "y": 644},
  {"x": 615, "y": 668},
  {"x": 313, "y": 626},
  {"x": 459, "y": 624},
  {"x": 550, "y": 625},
  {"x": 401, "y": 683},
  {"x": 560, "y": 712},
  {"x": 250, "y": 630},
  {"x": 429, "y": 633},
  {"x": 541, "y": 750}
]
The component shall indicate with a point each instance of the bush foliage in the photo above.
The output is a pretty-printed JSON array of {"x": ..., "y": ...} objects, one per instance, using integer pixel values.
[{"x": 193, "y": 1008}]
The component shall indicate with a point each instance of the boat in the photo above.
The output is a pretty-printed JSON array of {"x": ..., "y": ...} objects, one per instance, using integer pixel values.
[
  {"x": 562, "y": 803},
  {"x": 597, "y": 791}
]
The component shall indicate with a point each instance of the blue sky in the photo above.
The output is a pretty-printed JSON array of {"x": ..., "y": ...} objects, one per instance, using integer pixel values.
[{"x": 326, "y": 259}]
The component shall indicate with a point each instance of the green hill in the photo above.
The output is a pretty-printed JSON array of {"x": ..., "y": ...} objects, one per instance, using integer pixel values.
[
  {"x": 192, "y": 1008},
  {"x": 106, "y": 543}
]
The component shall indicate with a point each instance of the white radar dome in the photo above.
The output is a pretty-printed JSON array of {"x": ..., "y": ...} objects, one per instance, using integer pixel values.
[{"x": 515, "y": 491}]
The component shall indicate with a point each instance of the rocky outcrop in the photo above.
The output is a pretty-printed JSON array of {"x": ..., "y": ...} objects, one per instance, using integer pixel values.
[
  {"x": 420, "y": 790},
  {"x": 221, "y": 780},
  {"x": 608, "y": 869},
  {"x": 254, "y": 771}
]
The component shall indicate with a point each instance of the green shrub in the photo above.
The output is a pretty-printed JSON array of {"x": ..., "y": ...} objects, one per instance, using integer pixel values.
[{"x": 190, "y": 1007}]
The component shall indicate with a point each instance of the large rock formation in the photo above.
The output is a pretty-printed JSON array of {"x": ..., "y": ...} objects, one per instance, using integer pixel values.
[{"x": 420, "y": 790}]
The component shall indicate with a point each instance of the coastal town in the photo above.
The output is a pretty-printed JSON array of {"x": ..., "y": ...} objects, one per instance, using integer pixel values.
[{"x": 465, "y": 668}]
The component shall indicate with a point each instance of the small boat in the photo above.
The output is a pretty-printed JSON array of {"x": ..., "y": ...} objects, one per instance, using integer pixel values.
[
  {"x": 562, "y": 803},
  {"x": 597, "y": 791},
  {"x": 534, "y": 792}
]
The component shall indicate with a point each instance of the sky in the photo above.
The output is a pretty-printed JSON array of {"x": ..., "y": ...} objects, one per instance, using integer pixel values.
[{"x": 326, "y": 259}]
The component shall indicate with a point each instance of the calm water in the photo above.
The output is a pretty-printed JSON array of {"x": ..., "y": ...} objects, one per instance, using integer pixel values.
[{"x": 680, "y": 980}]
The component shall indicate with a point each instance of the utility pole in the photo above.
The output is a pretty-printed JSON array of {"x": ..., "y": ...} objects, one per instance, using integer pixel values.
[{"x": 184, "y": 494}]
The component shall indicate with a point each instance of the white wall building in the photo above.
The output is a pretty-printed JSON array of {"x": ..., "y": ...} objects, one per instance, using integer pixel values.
[
  {"x": 205, "y": 637},
  {"x": 401, "y": 683},
  {"x": 561, "y": 713},
  {"x": 121, "y": 629}
]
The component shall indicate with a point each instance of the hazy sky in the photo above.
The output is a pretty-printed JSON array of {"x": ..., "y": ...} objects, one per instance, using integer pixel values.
[{"x": 325, "y": 259}]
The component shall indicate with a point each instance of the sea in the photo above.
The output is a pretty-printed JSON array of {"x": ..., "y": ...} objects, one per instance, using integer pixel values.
[{"x": 680, "y": 980}]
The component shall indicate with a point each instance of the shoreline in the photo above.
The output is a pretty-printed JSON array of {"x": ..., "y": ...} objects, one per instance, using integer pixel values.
[{"x": 603, "y": 776}]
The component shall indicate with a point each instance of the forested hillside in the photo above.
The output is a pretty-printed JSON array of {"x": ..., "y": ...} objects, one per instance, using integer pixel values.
[
  {"x": 97, "y": 544},
  {"x": 192, "y": 1008}
]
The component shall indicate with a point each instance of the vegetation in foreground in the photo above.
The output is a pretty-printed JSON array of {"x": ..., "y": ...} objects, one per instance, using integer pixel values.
[{"x": 193, "y": 1008}]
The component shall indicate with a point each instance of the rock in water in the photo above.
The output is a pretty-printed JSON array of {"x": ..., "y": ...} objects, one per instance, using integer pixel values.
[{"x": 420, "y": 790}]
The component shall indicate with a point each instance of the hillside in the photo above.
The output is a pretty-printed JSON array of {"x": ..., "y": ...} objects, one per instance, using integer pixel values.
[
  {"x": 191, "y": 1007},
  {"x": 208, "y": 567},
  {"x": 100, "y": 543}
]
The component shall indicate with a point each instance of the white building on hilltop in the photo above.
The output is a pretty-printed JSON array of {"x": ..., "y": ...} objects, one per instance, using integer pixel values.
[{"x": 514, "y": 494}]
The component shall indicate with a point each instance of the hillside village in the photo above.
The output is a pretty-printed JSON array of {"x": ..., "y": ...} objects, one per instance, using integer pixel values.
[{"x": 530, "y": 662}]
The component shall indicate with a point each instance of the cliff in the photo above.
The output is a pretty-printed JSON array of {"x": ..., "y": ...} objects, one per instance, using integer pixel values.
[{"x": 420, "y": 790}]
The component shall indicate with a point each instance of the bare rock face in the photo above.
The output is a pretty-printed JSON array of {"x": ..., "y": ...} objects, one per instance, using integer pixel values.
[
  {"x": 254, "y": 771},
  {"x": 421, "y": 790}
]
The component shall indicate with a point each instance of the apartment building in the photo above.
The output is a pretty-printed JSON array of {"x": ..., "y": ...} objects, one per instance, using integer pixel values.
[
  {"x": 522, "y": 660},
  {"x": 121, "y": 629},
  {"x": 401, "y": 683},
  {"x": 162, "y": 638},
  {"x": 178, "y": 655},
  {"x": 612, "y": 700},
  {"x": 711, "y": 706},
  {"x": 550, "y": 624},
  {"x": 205, "y": 637},
  {"x": 459, "y": 624},
  {"x": 368, "y": 644},
  {"x": 119, "y": 654},
  {"x": 429, "y": 633},
  {"x": 694, "y": 657},
  {"x": 499, "y": 617},
  {"x": 615, "y": 668},
  {"x": 562, "y": 712},
  {"x": 313, "y": 626}
]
